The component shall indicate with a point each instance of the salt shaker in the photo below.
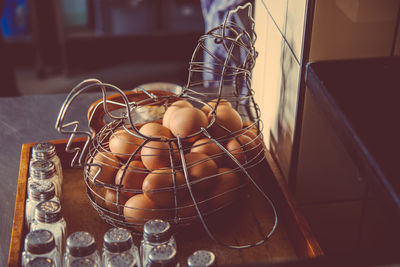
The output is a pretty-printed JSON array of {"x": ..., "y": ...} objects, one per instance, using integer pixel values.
[
  {"x": 48, "y": 216},
  {"x": 40, "y": 244},
  {"x": 162, "y": 255},
  {"x": 41, "y": 262},
  {"x": 201, "y": 258},
  {"x": 155, "y": 232},
  {"x": 118, "y": 241},
  {"x": 44, "y": 170},
  {"x": 47, "y": 151},
  {"x": 38, "y": 192},
  {"x": 81, "y": 247},
  {"x": 122, "y": 260},
  {"x": 84, "y": 262}
]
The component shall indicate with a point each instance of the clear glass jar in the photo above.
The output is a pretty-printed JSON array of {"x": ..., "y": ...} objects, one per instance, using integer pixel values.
[
  {"x": 81, "y": 247},
  {"x": 122, "y": 260},
  {"x": 41, "y": 262},
  {"x": 155, "y": 232},
  {"x": 47, "y": 151},
  {"x": 117, "y": 241},
  {"x": 44, "y": 170},
  {"x": 162, "y": 256},
  {"x": 48, "y": 216},
  {"x": 38, "y": 192},
  {"x": 201, "y": 258},
  {"x": 40, "y": 244},
  {"x": 83, "y": 262}
]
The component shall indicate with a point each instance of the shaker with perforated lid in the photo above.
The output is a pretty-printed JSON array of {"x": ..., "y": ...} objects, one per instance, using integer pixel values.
[
  {"x": 41, "y": 262},
  {"x": 118, "y": 241},
  {"x": 38, "y": 192},
  {"x": 162, "y": 256},
  {"x": 47, "y": 151},
  {"x": 82, "y": 246},
  {"x": 40, "y": 244},
  {"x": 155, "y": 232},
  {"x": 44, "y": 170},
  {"x": 201, "y": 258},
  {"x": 122, "y": 260},
  {"x": 48, "y": 216}
]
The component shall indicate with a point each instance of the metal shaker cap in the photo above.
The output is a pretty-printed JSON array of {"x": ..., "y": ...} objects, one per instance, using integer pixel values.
[
  {"x": 39, "y": 242},
  {"x": 201, "y": 258},
  {"x": 157, "y": 231},
  {"x": 80, "y": 244},
  {"x": 48, "y": 211},
  {"x": 41, "y": 262},
  {"x": 117, "y": 240},
  {"x": 83, "y": 262},
  {"x": 43, "y": 151},
  {"x": 162, "y": 255},
  {"x": 41, "y": 191},
  {"x": 42, "y": 169},
  {"x": 122, "y": 260}
]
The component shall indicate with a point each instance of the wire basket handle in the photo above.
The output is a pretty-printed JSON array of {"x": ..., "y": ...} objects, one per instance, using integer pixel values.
[{"x": 73, "y": 128}]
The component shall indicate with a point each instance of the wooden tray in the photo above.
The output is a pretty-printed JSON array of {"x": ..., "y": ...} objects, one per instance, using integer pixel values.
[{"x": 292, "y": 239}]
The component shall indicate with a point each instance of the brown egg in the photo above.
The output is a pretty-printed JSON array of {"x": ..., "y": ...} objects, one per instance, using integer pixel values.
[
  {"x": 237, "y": 150},
  {"x": 224, "y": 190},
  {"x": 187, "y": 121},
  {"x": 206, "y": 109},
  {"x": 159, "y": 187},
  {"x": 139, "y": 209},
  {"x": 111, "y": 203},
  {"x": 257, "y": 151},
  {"x": 182, "y": 104},
  {"x": 208, "y": 147},
  {"x": 109, "y": 167},
  {"x": 171, "y": 109},
  {"x": 123, "y": 144},
  {"x": 228, "y": 120},
  {"x": 133, "y": 177},
  {"x": 154, "y": 129},
  {"x": 199, "y": 166},
  {"x": 156, "y": 155}
]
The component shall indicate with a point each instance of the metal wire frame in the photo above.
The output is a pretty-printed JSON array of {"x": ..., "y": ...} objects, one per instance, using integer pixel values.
[{"x": 239, "y": 76}]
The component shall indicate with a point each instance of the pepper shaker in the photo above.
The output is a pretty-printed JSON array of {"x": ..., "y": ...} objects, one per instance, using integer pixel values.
[
  {"x": 119, "y": 241},
  {"x": 201, "y": 258},
  {"x": 155, "y": 232},
  {"x": 47, "y": 151},
  {"x": 40, "y": 244},
  {"x": 48, "y": 216},
  {"x": 38, "y": 192},
  {"x": 81, "y": 247},
  {"x": 44, "y": 170},
  {"x": 162, "y": 256}
]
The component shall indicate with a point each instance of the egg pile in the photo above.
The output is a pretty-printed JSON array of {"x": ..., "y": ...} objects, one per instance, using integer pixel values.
[{"x": 148, "y": 170}]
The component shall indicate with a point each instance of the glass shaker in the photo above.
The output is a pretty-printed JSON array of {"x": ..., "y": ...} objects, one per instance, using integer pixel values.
[
  {"x": 155, "y": 232},
  {"x": 122, "y": 260},
  {"x": 44, "y": 170},
  {"x": 47, "y": 151},
  {"x": 81, "y": 247},
  {"x": 117, "y": 241},
  {"x": 38, "y": 192},
  {"x": 162, "y": 255},
  {"x": 41, "y": 262},
  {"x": 201, "y": 258},
  {"x": 48, "y": 216},
  {"x": 40, "y": 244}
]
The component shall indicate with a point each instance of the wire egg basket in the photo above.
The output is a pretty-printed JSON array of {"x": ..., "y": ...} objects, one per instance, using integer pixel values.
[{"x": 133, "y": 175}]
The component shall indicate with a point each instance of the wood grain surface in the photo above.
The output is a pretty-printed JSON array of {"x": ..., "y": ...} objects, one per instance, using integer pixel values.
[{"x": 245, "y": 222}]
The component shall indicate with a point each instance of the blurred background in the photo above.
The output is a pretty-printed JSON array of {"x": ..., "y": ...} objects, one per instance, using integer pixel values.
[{"x": 49, "y": 46}]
